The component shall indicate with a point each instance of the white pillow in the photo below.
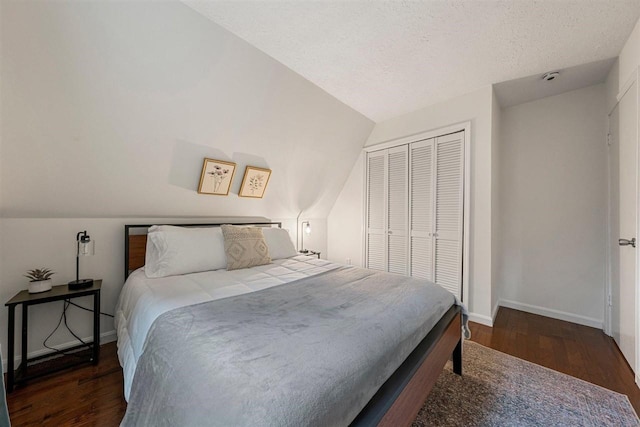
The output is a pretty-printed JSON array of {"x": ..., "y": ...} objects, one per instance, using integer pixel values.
[
  {"x": 279, "y": 243},
  {"x": 180, "y": 250}
]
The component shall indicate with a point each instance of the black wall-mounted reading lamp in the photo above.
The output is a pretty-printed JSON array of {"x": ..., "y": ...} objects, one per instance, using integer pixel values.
[{"x": 85, "y": 248}]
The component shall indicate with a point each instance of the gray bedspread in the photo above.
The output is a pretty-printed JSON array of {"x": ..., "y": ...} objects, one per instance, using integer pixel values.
[{"x": 307, "y": 353}]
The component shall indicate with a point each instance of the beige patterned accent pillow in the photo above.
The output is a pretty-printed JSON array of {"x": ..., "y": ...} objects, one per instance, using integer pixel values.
[{"x": 244, "y": 246}]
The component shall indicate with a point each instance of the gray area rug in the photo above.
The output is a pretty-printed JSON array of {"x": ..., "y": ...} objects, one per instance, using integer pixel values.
[{"x": 501, "y": 390}]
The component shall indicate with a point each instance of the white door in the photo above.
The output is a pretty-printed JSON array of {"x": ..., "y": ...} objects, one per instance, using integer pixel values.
[
  {"x": 414, "y": 210},
  {"x": 421, "y": 209},
  {"x": 397, "y": 210},
  {"x": 449, "y": 196},
  {"x": 628, "y": 138},
  {"x": 387, "y": 210},
  {"x": 375, "y": 253}
]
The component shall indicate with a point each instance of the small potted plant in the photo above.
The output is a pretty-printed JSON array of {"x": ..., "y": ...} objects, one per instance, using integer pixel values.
[{"x": 39, "y": 280}]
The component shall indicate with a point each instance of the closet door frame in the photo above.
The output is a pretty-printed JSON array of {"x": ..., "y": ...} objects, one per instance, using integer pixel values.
[{"x": 466, "y": 217}]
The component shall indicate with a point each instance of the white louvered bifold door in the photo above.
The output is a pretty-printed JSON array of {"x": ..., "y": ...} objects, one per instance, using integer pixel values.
[
  {"x": 414, "y": 210},
  {"x": 397, "y": 210},
  {"x": 421, "y": 208},
  {"x": 449, "y": 191},
  {"x": 375, "y": 244}
]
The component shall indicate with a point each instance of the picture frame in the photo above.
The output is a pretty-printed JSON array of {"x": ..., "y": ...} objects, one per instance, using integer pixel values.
[
  {"x": 254, "y": 182},
  {"x": 216, "y": 177}
]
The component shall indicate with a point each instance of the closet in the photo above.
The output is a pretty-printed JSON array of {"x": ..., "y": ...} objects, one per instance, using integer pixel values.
[{"x": 414, "y": 210}]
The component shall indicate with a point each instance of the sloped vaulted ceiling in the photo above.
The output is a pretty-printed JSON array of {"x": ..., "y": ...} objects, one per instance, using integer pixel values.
[{"x": 387, "y": 58}]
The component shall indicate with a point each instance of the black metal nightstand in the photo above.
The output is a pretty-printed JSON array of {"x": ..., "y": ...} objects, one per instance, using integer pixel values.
[
  {"x": 311, "y": 253},
  {"x": 57, "y": 293}
]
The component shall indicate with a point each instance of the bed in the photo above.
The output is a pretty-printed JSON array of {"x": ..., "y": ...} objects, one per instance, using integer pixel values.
[{"x": 298, "y": 341}]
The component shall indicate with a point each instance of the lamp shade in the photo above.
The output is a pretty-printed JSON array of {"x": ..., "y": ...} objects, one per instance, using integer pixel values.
[{"x": 86, "y": 246}]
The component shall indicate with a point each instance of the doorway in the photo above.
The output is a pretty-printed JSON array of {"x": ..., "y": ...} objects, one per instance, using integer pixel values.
[{"x": 623, "y": 223}]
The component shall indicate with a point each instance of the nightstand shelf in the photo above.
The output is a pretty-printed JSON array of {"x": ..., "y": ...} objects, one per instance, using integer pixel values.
[{"x": 51, "y": 362}]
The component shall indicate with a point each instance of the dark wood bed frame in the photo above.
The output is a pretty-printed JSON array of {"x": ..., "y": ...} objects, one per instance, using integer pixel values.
[{"x": 400, "y": 398}]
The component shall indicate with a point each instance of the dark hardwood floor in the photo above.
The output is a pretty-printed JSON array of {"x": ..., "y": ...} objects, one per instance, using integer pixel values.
[
  {"x": 92, "y": 395},
  {"x": 82, "y": 396}
]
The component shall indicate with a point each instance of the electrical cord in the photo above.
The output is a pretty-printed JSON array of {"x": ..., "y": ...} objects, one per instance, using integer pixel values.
[
  {"x": 44, "y": 343},
  {"x": 88, "y": 309},
  {"x": 63, "y": 318},
  {"x": 64, "y": 314}
]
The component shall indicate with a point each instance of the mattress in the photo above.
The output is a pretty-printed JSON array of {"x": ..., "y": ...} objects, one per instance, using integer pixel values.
[{"x": 143, "y": 300}]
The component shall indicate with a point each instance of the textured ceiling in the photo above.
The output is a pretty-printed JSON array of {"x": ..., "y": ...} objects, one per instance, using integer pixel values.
[{"x": 386, "y": 58}]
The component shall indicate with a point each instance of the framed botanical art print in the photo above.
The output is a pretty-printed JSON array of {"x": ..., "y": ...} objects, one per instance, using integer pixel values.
[
  {"x": 254, "y": 182},
  {"x": 216, "y": 177}
]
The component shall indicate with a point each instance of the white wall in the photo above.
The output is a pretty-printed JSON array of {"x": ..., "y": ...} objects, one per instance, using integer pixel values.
[
  {"x": 108, "y": 109},
  {"x": 474, "y": 107},
  {"x": 114, "y": 105},
  {"x": 553, "y": 206},
  {"x": 612, "y": 86},
  {"x": 629, "y": 58},
  {"x": 345, "y": 226},
  {"x": 496, "y": 214}
]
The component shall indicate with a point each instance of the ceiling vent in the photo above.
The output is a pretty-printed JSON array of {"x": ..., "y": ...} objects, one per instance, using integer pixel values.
[{"x": 550, "y": 76}]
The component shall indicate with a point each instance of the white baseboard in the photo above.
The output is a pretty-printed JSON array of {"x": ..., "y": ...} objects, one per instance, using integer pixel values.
[
  {"x": 481, "y": 318},
  {"x": 555, "y": 314},
  {"x": 494, "y": 312},
  {"x": 105, "y": 337}
]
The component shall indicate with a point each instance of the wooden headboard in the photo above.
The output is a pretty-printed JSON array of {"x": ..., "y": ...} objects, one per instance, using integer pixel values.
[{"x": 135, "y": 240}]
